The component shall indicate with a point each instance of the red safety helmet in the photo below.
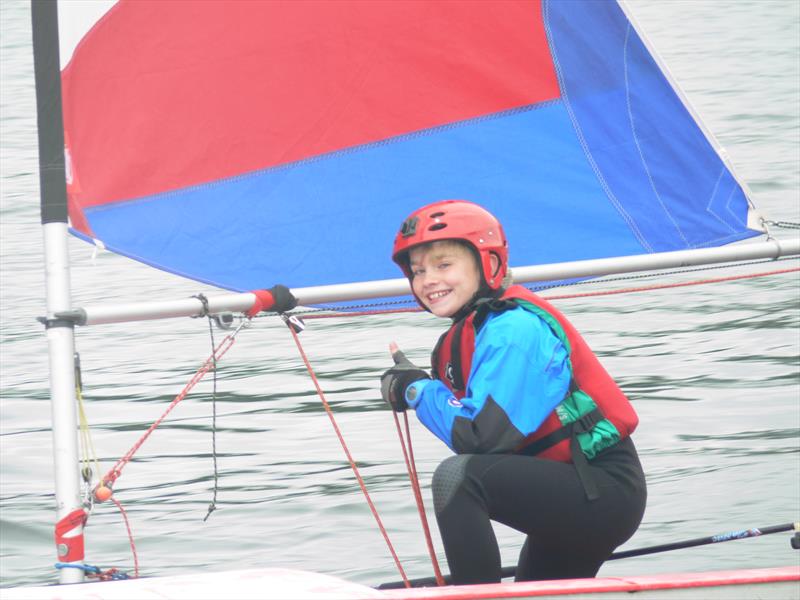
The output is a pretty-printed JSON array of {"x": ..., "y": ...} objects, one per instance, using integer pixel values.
[{"x": 455, "y": 220}]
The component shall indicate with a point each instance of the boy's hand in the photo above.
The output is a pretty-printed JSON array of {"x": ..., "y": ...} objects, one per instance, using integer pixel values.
[{"x": 396, "y": 380}]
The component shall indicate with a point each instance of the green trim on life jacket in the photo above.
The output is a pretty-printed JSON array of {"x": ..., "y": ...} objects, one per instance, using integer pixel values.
[{"x": 577, "y": 402}]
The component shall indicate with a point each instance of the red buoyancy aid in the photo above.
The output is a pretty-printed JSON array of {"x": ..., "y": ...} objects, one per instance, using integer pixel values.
[{"x": 593, "y": 393}]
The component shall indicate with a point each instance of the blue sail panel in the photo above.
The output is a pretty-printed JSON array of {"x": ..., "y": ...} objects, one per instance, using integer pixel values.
[{"x": 652, "y": 157}]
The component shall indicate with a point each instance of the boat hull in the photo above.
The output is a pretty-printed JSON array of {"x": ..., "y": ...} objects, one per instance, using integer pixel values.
[{"x": 284, "y": 584}]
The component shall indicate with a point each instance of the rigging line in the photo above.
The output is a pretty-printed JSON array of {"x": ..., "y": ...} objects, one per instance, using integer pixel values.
[
  {"x": 224, "y": 346},
  {"x": 89, "y": 454},
  {"x": 632, "y": 277},
  {"x": 213, "y": 505},
  {"x": 130, "y": 536},
  {"x": 647, "y": 288},
  {"x": 408, "y": 455},
  {"x": 784, "y": 224},
  {"x": 353, "y": 466}
]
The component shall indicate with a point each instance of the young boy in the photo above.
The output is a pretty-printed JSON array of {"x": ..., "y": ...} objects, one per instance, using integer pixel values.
[{"x": 540, "y": 430}]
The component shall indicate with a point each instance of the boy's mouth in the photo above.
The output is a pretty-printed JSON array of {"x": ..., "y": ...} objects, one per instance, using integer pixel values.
[{"x": 435, "y": 296}]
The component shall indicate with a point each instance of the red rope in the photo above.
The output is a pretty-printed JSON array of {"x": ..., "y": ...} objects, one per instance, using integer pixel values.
[
  {"x": 408, "y": 455},
  {"x": 218, "y": 353},
  {"x": 130, "y": 536},
  {"x": 347, "y": 453}
]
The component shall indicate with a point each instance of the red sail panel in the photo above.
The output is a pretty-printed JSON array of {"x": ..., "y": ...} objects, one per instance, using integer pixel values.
[{"x": 164, "y": 95}]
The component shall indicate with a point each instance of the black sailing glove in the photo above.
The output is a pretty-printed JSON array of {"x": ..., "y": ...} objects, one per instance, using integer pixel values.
[
  {"x": 278, "y": 298},
  {"x": 395, "y": 381}
]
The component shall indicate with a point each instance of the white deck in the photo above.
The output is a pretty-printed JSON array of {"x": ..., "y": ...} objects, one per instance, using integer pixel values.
[{"x": 284, "y": 584}]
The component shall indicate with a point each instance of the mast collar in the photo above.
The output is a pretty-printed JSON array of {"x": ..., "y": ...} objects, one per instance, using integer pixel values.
[{"x": 64, "y": 318}]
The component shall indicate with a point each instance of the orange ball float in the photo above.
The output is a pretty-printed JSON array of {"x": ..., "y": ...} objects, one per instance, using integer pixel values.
[{"x": 102, "y": 493}]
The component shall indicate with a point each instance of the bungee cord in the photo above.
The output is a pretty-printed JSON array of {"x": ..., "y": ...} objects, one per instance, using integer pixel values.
[{"x": 213, "y": 504}]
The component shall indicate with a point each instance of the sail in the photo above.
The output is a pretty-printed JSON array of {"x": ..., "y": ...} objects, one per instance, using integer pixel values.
[{"x": 244, "y": 144}]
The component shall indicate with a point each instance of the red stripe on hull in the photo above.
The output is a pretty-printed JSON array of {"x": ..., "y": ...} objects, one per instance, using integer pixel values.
[{"x": 600, "y": 585}]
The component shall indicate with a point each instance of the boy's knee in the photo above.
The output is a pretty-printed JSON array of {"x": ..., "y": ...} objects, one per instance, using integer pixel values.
[{"x": 447, "y": 478}]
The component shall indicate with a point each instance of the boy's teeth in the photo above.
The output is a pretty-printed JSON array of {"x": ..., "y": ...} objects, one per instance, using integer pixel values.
[{"x": 435, "y": 295}]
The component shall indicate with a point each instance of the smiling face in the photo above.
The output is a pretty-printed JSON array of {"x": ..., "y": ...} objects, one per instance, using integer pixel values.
[{"x": 445, "y": 276}]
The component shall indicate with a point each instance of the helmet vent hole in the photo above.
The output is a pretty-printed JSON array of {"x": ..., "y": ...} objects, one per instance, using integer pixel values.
[
  {"x": 437, "y": 226},
  {"x": 436, "y": 215}
]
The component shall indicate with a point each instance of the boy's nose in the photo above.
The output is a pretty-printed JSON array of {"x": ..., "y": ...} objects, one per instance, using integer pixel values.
[{"x": 428, "y": 278}]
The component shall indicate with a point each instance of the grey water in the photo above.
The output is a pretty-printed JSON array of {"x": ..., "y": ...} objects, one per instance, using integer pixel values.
[{"x": 713, "y": 370}]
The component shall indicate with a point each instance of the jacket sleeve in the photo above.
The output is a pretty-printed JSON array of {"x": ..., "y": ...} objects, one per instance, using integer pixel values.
[{"x": 520, "y": 373}]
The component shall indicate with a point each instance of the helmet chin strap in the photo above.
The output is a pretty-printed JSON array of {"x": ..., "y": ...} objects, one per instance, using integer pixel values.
[{"x": 484, "y": 291}]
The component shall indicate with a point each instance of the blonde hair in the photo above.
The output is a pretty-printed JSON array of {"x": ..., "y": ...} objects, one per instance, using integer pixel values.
[{"x": 443, "y": 246}]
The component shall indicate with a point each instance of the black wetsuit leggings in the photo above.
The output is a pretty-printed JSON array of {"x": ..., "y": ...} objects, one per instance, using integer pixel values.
[{"x": 568, "y": 536}]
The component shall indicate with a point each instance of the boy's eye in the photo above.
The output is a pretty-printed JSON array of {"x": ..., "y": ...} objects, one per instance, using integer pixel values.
[{"x": 415, "y": 272}]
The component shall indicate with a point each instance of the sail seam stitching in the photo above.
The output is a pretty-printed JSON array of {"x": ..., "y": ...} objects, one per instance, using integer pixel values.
[
  {"x": 582, "y": 140},
  {"x": 635, "y": 137},
  {"x": 709, "y": 208},
  {"x": 730, "y": 212}
]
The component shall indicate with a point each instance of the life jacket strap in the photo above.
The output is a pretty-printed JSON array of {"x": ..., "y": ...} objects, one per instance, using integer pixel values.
[
  {"x": 582, "y": 467},
  {"x": 457, "y": 377},
  {"x": 435, "y": 356},
  {"x": 472, "y": 317},
  {"x": 484, "y": 306},
  {"x": 582, "y": 425},
  {"x": 571, "y": 430}
]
